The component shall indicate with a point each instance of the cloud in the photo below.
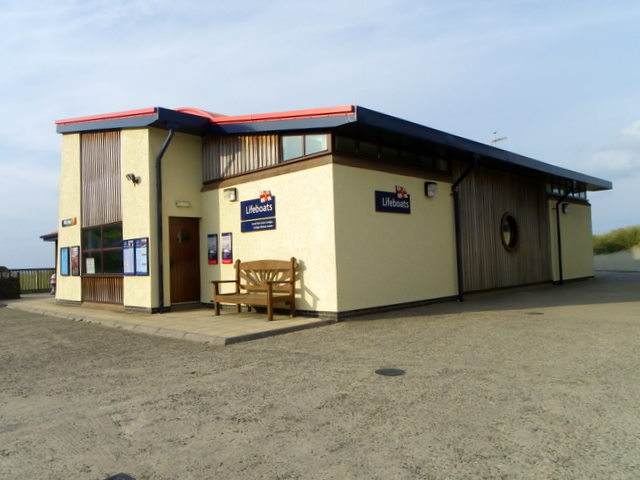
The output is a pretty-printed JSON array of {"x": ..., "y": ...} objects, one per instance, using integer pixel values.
[
  {"x": 461, "y": 66},
  {"x": 621, "y": 157},
  {"x": 633, "y": 130},
  {"x": 617, "y": 162}
]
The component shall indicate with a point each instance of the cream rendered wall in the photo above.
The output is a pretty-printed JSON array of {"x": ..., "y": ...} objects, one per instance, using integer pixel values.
[
  {"x": 577, "y": 244},
  {"x": 138, "y": 212},
  {"x": 69, "y": 287},
  {"x": 389, "y": 258},
  {"x": 304, "y": 229},
  {"x": 181, "y": 181}
]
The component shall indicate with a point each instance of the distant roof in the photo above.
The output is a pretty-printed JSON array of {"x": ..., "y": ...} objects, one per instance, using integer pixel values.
[
  {"x": 201, "y": 122},
  {"x": 49, "y": 237}
]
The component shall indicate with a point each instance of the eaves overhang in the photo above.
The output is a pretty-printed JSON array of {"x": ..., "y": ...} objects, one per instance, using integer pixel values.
[
  {"x": 148, "y": 117},
  {"x": 50, "y": 237},
  {"x": 488, "y": 154}
]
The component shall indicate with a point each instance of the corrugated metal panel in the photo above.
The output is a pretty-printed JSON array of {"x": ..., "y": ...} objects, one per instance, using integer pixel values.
[
  {"x": 227, "y": 156},
  {"x": 485, "y": 196},
  {"x": 101, "y": 178}
]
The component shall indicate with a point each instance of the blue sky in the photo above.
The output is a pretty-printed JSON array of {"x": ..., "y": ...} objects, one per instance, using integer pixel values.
[{"x": 561, "y": 80}]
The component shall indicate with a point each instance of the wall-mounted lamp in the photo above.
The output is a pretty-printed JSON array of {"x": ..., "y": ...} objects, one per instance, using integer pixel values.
[
  {"x": 230, "y": 194},
  {"x": 132, "y": 178},
  {"x": 565, "y": 208},
  {"x": 183, "y": 203},
  {"x": 430, "y": 189}
]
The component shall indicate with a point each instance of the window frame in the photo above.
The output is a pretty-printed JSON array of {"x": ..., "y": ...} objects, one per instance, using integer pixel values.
[
  {"x": 100, "y": 250},
  {"x": 514, "y": 229},
  {"x": 303, "y": 146}
]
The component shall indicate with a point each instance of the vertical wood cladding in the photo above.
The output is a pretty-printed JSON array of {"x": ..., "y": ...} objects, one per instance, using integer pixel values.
[
  {"x": 235, "y": 155},
  {"x": 102, "y": 289},
  {"x": 484, "y": 198},
  {"x": 101, "y": 178}
]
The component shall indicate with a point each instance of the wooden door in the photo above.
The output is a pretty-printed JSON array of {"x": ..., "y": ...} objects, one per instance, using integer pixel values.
[{"x": 184, "y": 259}]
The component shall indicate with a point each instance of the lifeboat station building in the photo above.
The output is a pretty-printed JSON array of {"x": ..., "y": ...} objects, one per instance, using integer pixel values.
[{"x": 379, "y": 212}]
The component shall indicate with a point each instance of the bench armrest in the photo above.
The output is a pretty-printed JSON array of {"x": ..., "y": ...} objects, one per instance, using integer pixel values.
[
  {"x": 271, "y": 283},
  {"x": 216, "y": 285}
]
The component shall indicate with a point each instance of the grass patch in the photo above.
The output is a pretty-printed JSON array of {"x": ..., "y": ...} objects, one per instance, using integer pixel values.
[{"x": 616, "y": 240}]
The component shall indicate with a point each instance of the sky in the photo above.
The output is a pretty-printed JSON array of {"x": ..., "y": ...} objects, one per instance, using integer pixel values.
[{"x": 560, "y": 80}]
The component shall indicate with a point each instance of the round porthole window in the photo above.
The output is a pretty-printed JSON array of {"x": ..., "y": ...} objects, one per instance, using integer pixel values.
[
  {"x": 183, "y": 236},
  {"x": 509, "y": 231}
]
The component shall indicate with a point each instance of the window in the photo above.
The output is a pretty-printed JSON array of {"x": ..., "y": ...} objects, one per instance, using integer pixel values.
[
  {"x": 509, "y": 231},
  {"x": 347, "y": 145},
  {"x": 296, "y": 146},
  {"x": 579, "y": 191},
  {"x": 102, "y": 249},
  {"x": 368, "y": 149},
  {"x": 314, "y": 144},
  {"x": 391, "y": 149}
]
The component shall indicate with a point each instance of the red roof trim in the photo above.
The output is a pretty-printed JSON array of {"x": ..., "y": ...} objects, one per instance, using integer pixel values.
[
  {"x": 290, "y": 115},
  {"x": 142, "y": 112},
  {"x": 199, "y": 112},
  {"x": 217, "y": 119}
]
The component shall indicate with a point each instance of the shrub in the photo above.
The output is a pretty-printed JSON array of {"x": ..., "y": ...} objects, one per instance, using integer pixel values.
[{"x": 616, "y": 240}]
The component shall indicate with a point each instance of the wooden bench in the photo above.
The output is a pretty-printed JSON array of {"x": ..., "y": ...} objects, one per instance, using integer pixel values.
[{"x": 260, "y": 283}]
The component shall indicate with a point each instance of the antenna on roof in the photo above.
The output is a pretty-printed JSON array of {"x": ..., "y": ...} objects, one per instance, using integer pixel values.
[{"x": 497, "y": 139}]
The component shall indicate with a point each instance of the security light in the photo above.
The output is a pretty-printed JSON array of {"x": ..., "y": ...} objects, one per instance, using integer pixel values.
[
  {"x": 230, "y": 194},
  {"x": 132, "y": 178},
  {"x": 430, "y": 189}
]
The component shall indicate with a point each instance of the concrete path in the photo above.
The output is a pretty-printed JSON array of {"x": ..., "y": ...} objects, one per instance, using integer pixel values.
[{"x": 200, "y": 325}]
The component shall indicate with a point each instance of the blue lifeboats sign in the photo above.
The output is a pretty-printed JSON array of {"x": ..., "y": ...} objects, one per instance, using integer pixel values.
[
  {"x": 259, "y": 213},
  {"x": 256, "y": 208},
  {"x": 393, "y": 202}
]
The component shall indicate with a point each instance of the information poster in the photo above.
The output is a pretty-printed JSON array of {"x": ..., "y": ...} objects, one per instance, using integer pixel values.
[
  {"x": 142, "y": 256},
  {"x": 212, "y": 249},
  {"x": 64, "y": 261},
  {"x": 74, "y": 260},
  {"x": 90, "y": 266},
  {"x": 128, "y": 257},
  {"x": 227, "y": 248}
]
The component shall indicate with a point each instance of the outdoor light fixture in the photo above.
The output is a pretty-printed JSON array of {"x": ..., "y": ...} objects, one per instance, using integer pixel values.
[
  {"x": 183, "y": 203},
  {"x": 230, "y": 194},
  {"x": 132, "y": 178},
  {"x": 430, "y": 189},
  {"x": 565, "y": 208}
]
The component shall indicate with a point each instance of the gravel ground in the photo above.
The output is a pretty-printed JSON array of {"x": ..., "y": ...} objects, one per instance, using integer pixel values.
[{"x": 540, "y": 383}]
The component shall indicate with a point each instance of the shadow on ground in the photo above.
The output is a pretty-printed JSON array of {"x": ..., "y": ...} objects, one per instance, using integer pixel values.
[{"x": 604, "y": 288}]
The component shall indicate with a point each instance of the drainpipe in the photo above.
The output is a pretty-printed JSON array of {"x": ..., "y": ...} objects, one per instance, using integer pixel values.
[
  {"x": 456, "y": 214},
  {"x": 559, "y": 235},
  {"x": 160, "y": 243}
]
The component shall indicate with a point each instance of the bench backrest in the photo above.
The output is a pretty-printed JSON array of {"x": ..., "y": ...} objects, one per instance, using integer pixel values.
[{"x": 253, "y": 276}]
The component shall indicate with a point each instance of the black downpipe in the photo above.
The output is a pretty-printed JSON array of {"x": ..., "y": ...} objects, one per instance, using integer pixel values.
[
  {"x": 456, "y": 214},
  {"x": 559, "y": 235},
  {"x": 160, "y": 242}
]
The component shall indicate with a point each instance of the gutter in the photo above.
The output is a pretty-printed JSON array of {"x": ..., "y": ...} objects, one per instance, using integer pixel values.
[
  {"x": 160, "y": 242},
  {"x": 456, "y": 214},
  {"x": 559, "y": 234}
]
